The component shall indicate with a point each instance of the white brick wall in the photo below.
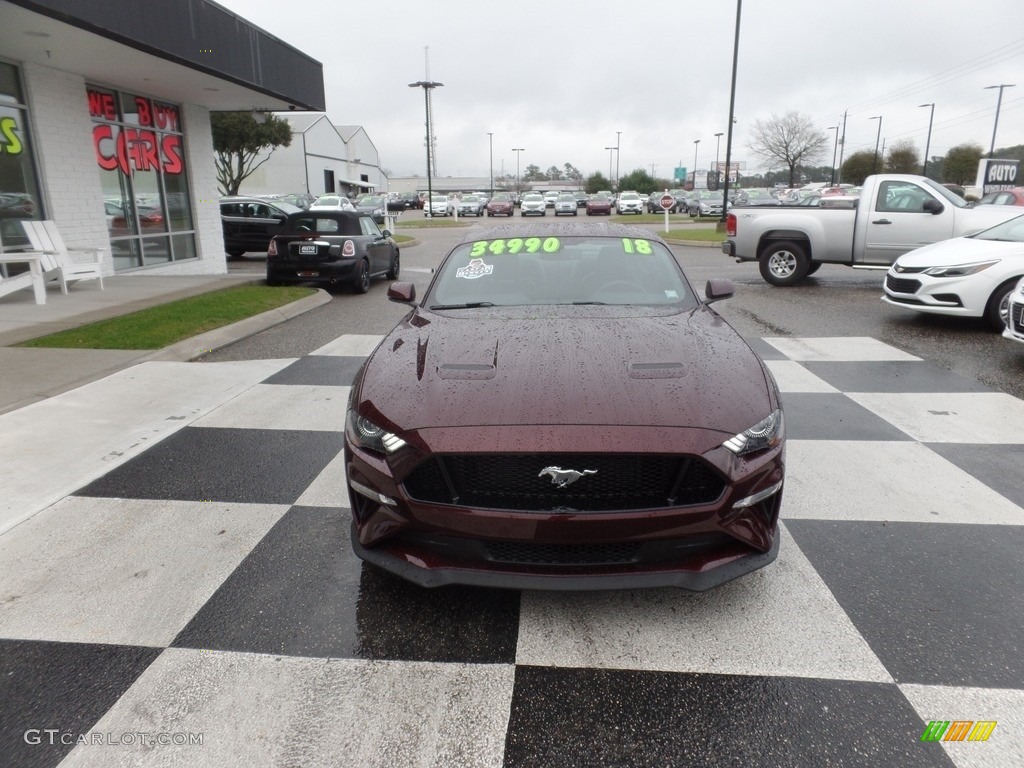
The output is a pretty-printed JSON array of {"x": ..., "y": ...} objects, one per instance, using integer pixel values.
[
  {"x": 59, "y": 112},
  {"x": 71, "y": 183}
]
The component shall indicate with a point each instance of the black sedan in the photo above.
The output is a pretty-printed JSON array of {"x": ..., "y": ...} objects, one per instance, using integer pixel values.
[{"x": 333, "y": 248}]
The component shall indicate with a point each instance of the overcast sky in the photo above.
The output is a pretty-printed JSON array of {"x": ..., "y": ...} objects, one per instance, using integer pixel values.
[{"x": 560, "y": 78}]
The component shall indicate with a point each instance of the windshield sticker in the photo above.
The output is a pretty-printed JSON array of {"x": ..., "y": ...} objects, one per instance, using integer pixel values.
[
  {"x": 636, "y": 246},
  {"x": 476, "y": 268},
  {"x": 516, "y": 245}
]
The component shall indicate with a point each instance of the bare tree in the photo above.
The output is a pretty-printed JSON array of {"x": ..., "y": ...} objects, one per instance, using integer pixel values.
[{"x": 791, "y": 140}]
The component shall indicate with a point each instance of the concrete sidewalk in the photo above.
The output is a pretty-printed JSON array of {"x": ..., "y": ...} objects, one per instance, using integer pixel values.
[{"x": 30, "y": 375}]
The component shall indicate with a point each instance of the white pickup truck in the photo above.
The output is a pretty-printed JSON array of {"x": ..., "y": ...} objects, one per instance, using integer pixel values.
[{"x": 895, "y": 214}]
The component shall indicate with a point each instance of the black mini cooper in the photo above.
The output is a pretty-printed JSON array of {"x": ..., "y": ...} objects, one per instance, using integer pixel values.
[{"x": 331, "y": 247}]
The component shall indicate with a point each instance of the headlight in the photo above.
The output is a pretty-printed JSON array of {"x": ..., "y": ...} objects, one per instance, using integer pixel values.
[
  {"x": 764, "y": 434},
  {"x": 369, "y": 435},
  {"x": 960, "y": 270}
]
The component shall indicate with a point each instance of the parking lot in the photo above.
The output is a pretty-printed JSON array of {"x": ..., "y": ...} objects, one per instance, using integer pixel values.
[{"x": 199, "y": 579}]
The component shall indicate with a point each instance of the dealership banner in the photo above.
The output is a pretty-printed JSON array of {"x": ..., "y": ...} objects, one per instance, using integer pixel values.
[{"x": 996, "y": 175}]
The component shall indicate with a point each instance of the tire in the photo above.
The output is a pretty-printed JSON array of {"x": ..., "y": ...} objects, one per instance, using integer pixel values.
[
  {"x": 998, "y": 306},
  {"x": 575, "y": 213},
  {"x": 815, "y": 266},
  {"x": 396, "y": 266},
  {"x": 361, "y": 279},
  {"x": 784, "y": 263},
  {"x": 235, "y": 254}
]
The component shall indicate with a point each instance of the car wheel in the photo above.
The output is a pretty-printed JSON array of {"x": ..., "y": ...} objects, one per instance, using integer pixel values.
[
  {"x": 588, "y": 213},
  {"x": 543, "y": 213},
  {"x": 574, "y": 213},
  {"x": 396, "y": 266},
  {"x": 235, "y": 254},
  {"x": 361, "y": 281},
  {"x": 815, "y": 266},
  {"x": 784, "y": 263},
  {"x": 998, "y": 308}
]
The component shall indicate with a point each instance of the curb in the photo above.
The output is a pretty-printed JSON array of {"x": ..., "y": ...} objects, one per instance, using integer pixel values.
[{"x": 204, "y": 343}]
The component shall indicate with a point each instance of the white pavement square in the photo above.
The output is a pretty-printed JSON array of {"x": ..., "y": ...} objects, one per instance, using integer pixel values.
[
  {"x": 838, "y": 349},
  {"x": 974, "y": 417},
  {"x": 309, "y": 407}
]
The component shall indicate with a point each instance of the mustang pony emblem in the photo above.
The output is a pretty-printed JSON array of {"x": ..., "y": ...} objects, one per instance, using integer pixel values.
[{"x": 563, "y": 477}]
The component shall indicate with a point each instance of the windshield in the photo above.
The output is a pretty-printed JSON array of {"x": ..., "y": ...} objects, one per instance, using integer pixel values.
[
  {"x": 1009, "y": 231},
  {"x": 946, "y": 194},
  {"x": 559, "y": 270}
]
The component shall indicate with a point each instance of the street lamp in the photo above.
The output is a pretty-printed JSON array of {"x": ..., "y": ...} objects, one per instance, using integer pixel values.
[
  {"x": 835, "y": 148},
  {"x": 999, "y": 103},
  {"x": 490, "y": 146},
  {"x": 718, "y": 143},
  {"x": 517, "y": 150},
  {"x": 618, "y": 138},
  {"x": 928, "y": 141},
  {"x": 428, "y": 86},
  {"x": 611, "y": 179},
  {"x": 695, "y": 143},
  {"x": 874, "y": 162},
  {"x": 732, "y": 114}
]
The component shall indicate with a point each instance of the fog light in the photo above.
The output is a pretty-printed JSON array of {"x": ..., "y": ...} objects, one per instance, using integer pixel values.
[
  {"x": 372, "y": 494},
  {"x": 758, "y": 497}
]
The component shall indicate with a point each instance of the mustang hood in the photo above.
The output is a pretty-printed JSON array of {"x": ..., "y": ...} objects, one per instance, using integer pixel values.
[{"x": 624, "y": 366}]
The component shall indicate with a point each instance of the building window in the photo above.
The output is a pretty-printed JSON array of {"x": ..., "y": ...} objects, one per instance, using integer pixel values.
[
  {"x": 140, "y": 151},
  {"x": 19, "y": 183}
]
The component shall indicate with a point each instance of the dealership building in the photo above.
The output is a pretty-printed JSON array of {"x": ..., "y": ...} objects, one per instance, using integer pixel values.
[{"x": 105, "y": 122}]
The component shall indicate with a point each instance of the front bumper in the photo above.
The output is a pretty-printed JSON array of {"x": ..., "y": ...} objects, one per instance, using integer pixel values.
[
  {"x": 1015, "y": 329},
  {"x": 954, "y": 296},
  {"x": 695, "y": 547}
]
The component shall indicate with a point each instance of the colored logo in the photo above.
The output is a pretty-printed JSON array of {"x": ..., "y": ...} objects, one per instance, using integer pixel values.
[{"x": 958, "y": 730}]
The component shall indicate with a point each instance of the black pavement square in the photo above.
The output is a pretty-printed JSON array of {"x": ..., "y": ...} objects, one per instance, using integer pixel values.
[
  {"x": 1000, "y": 467},
  {"x": 302, "y": 591},
  {"x": 62, "y": 687},
  {"x": 596, "y": 717},
  {"x": 322, "y": 370},
  {"x": 939, "y": 604},
  {"x": 268, "y": 466},
  {"x": 763, "y": 349},
  {"x": 833, "y": 416},
  {"x": 892, "y": 376}
]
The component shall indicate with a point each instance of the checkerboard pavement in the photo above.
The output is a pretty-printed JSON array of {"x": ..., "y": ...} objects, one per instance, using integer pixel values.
[{"x": 174, "y": 562}]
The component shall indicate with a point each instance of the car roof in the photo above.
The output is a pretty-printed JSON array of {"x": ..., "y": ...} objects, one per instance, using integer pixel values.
[
  {"x": 329, "y": 213},
  {"x": 564, "y": 229}
]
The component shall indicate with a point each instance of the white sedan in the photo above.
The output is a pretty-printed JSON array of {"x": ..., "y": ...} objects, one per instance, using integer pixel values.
[
  {"x": 1015, "y": 314},
  {"x": 969, "y": 276},
  {"x": 332, "y": 203}
]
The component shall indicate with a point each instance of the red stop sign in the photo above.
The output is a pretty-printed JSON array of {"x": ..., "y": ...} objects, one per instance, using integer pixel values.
[{"x": 667, "y": 201}]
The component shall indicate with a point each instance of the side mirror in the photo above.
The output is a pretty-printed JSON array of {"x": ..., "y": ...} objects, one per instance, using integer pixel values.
[
  {"x": 718, "y": 288},
  {"x": 933, "y": 206},
  {"x": 402, "y": 293},
  {"x": 386, "y": 233}
]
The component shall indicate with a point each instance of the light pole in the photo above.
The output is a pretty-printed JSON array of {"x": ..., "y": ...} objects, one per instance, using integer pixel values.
[
  {"x": 732, "y": 115},
  {"x": 428, "y": 86},
  {"x": 874, "y": 163},
  {"x": 490, "y": 146},
  {"x": 517, "y": 150},
  {"x": 695, "y": 143},
  {"x": 611, "y": 180},
  {"x": 928, "y": 141},
  {"x": 835, "y": 147},
  {"x": 999, "y": 103},
  {"x": 618, "y": 138},
  {"x": 718, "y": 143}
]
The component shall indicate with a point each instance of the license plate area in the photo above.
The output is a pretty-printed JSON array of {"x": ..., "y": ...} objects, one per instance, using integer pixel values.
[{"x": 308, "y": 249}]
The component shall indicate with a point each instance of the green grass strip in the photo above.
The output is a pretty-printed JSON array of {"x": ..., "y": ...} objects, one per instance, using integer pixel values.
[{"x": 156, "y": 327}]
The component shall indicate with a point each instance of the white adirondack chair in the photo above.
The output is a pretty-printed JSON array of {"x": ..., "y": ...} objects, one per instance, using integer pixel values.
[
  {"x": 57, "y": 260},
  {"x": 15, "y": 283}
]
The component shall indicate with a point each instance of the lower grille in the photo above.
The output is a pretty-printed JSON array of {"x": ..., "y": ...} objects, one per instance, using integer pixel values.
[
  {"x": 1017, "y": 317},
  {"x": 902, "y": 285},
  {"x": 562, "y": 554},
  {"x": 608, "y": 482}
]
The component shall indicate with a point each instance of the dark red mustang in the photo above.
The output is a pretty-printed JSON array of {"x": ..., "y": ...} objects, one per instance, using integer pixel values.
[{"x": 562, "y": 410}]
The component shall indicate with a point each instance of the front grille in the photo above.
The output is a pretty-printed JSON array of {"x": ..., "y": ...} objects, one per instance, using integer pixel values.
[
  {"x": 616, "y": 483},
  {"x": 902, "y": 285}
]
